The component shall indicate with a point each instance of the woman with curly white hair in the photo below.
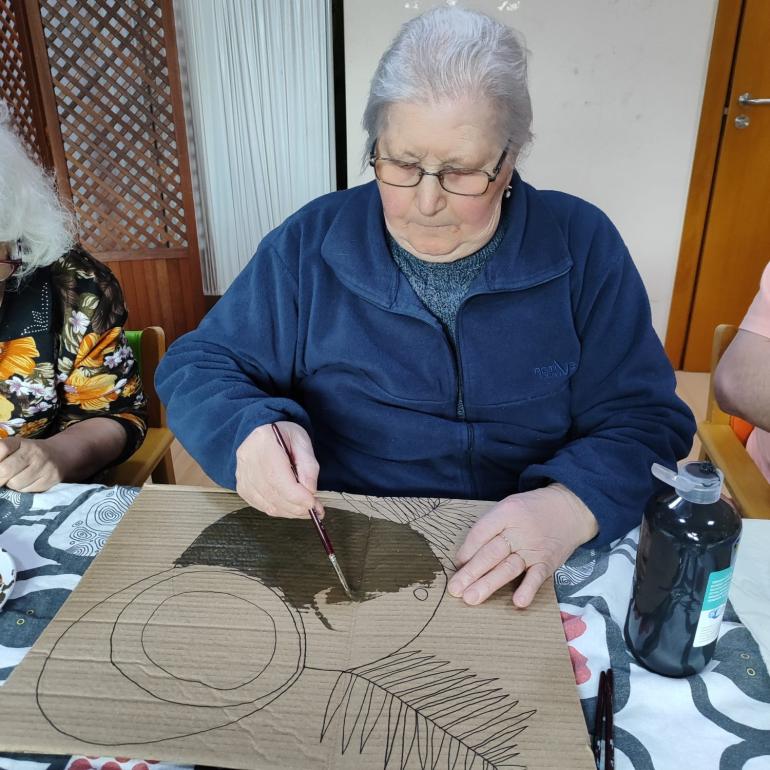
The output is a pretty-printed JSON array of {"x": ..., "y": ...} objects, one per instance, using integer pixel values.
[{"x": 71, "y": 401}]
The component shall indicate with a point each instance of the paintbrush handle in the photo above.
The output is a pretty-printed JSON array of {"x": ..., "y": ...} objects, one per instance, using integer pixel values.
[
  {"x": 279, "y": 438},
  {"x": 319, "y": 525},
  {"x": 327, "y": 543}
]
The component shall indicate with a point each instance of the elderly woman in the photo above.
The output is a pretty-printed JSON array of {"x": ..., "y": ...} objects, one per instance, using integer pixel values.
[
  {"x": 447, "y": 331},
  {"x": 70, "y": 398}
]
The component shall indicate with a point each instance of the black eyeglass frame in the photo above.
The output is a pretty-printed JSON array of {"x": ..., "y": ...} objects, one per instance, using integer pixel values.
[{"x": 440, "y": 174}]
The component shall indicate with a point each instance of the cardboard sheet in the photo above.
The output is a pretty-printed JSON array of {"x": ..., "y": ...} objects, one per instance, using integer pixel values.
[{"x": 208, "y": 632}]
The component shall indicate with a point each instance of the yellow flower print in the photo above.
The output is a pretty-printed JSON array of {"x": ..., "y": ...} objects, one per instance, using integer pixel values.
[
  {"x": 17, "y": 357},
  {"x": 8, "y": 426},
  {"x": 31, "y": 428},
  {"x": 91, "y": 393},
  {"x": 131, "y": 387},
  {"x": 93, "y": 348},
  {"x": 6, "y": 409}
]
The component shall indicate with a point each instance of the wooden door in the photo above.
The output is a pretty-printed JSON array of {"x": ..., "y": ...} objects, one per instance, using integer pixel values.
[
  {"x": 736, "y": 240},
  {"x": 105, "y": 75}
]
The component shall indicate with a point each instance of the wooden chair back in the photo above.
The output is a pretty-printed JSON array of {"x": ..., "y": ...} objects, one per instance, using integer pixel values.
[
  {"x": 149, "y": 346},
  {"x": 724, "y": 334},
  {"x": 153, "y": 458}
]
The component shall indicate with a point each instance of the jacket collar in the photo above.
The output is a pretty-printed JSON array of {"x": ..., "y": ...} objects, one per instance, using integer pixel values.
[{"x": 533, "y": 249}]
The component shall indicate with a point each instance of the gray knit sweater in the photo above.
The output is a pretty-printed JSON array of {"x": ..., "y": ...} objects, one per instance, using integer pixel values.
[{"x": 442, "y": 286}]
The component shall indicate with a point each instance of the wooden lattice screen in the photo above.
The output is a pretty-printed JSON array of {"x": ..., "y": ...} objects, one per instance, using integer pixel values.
[
  {"x": 108, "y": 67},
  {"x": 108, "y": 76},
  {"x": 17, "y": 88}
]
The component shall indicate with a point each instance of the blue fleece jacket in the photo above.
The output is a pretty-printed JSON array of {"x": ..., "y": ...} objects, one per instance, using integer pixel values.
[{"x": 562, "y": 375}]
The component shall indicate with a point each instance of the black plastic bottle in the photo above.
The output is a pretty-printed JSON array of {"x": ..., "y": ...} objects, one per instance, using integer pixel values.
[{"x": 684, "y": 563}]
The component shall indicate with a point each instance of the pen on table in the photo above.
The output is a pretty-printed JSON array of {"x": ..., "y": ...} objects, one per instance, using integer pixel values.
[
  {"x": 603, "y": 742},
  {"x": 327, "y": 543},
  {"x": 596, "y": 739},
  {"x": 609, "y": 735}
]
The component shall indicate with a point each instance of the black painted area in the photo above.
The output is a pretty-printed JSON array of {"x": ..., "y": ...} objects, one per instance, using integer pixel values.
[{"x": 376, "y": 556}]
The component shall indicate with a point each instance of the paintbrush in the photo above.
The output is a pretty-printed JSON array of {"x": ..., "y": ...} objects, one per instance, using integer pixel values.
[{"x": 327, "y": 543}]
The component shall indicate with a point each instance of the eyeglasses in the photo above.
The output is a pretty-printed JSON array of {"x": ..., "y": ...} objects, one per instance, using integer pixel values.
[
  {"x": 8, "y": 267},
  {"x": 458, "y": 181}
]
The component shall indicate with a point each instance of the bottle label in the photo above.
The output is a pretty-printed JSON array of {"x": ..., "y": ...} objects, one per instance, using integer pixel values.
[{"x": 714, "y": 604}]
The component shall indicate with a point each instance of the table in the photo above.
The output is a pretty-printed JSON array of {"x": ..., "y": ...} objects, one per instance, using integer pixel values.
[{"x": 718, "y": 719}]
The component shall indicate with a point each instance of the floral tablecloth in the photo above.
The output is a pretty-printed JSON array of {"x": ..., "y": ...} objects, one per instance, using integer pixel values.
[{"x": 718, "y": 719}]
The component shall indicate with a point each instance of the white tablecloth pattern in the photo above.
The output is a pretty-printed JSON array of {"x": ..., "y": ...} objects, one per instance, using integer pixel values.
[{"x": 719, "y": 719}]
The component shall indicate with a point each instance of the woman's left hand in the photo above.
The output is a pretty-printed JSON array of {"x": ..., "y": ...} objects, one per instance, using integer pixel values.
[
  {"x": 31, "y": 465},
  {"x": 531, "y": 533}
]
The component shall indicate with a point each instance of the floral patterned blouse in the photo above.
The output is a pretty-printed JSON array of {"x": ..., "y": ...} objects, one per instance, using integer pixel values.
[{"x": 63, "y": 354}]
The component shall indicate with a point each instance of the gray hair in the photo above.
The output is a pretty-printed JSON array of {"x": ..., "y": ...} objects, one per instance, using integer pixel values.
[
  {"x": 453, "y": 53},
  {"x": 33, "y": 222}
]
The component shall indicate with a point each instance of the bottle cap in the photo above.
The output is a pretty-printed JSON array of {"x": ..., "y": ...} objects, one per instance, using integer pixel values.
[{"x": 698, "y": 482}]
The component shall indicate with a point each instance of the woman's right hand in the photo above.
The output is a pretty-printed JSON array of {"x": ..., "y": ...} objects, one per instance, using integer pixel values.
[{"x": 264, "y": 477}]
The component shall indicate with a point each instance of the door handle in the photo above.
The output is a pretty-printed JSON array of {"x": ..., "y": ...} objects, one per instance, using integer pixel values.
[{"x": 746, "y": 99}]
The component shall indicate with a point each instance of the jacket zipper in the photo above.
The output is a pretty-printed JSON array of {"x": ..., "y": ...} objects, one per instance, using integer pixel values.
[
  {"x": 461, "y": 402},
  {"x": 459, "y": 367}
]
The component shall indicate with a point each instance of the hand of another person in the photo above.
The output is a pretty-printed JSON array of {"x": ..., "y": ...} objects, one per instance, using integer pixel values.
[
  {"x": 264, "y": 477},
  {"x": 531, "y": 533},
  {"x": 31, "y": 465}
]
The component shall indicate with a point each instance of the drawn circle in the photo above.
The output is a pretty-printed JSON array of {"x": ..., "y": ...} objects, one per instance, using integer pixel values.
[
  {"x": 177, "y": 708},
  {"x": 155, "y": 662},
  {"x": 420, "y": 593},
  {"x": 168, "y": 629}
]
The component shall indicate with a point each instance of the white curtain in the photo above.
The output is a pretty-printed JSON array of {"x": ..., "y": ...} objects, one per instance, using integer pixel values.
[{"x": 257, "y": 77}]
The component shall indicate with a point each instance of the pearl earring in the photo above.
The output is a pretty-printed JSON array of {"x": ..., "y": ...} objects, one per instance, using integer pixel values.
[{"x": 507, "y": 192}]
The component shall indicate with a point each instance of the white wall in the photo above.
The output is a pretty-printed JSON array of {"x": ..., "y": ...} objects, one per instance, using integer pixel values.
[{"x": 616, "y": 87}]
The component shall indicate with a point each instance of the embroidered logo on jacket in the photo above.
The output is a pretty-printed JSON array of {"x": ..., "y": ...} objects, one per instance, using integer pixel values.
[{"x": 555, "y": 369}]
